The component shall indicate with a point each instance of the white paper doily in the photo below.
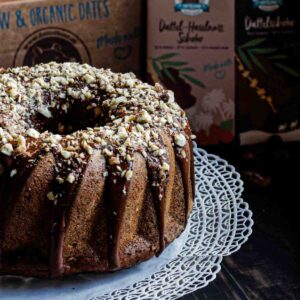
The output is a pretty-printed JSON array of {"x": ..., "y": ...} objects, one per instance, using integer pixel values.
[{"x": 219, "y": 224}]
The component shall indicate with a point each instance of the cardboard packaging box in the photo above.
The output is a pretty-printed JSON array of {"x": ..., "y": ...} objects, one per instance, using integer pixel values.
[
  {"x": 191, "y": 51},
  {"x": 103, "y": 33},
  {"x": 268, "y": 69}
]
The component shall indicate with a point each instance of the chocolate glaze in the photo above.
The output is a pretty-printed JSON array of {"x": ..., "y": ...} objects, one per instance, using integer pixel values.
[
  {"x": 9, "y": 189},
  {"x": 184, "y": 165},
  {"x": 117, "y": 203},
  {"x": 60, "y": 212},
  {"x": 191, "y": 158},
  {"x": 56, "y": 251},
  {"x": 160, "y": 208},
  {"x": 11, "y": 192},
  {"x": 161, "y": 187}
]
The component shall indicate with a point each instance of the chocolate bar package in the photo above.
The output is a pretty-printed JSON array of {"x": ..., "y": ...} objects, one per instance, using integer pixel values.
[
  {"x": 103, "y": 33},
  {"x": 268, "y": 69},
  {"x": 191, "y": 51}
]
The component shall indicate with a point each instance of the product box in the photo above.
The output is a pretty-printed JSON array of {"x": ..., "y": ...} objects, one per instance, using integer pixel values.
[
  {"x": 103, "y": 33},
  {"x": 268, "y": 69},
  {"x": 191, "y": 51}
]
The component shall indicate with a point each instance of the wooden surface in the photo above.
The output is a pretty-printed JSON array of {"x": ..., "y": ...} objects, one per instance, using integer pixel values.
[{"x": 268, "y": 265}]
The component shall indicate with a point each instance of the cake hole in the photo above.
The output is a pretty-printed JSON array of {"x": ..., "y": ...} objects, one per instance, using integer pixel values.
[{"x": 79, "y": 116}]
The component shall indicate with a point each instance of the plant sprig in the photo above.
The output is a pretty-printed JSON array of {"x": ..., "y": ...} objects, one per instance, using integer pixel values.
[
  {"x": 250, "y": 51},
  {"x": 163, "y": 63}
]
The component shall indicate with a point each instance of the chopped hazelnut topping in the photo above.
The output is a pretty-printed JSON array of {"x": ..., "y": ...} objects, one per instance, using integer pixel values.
[
  {"x": 13, "y": 172},
  {"x": 21, "y": 144},
  {"x": 122, "y": 133},
  {"x": 33, "y": 133},
  {"x": 88, "y": 78},
  {"x": 87, "y": 94},
  {"x": 140, "y": 128},
  {"x": 128, "y": 119},
  {"x": 60, "y": 180},
  {"x": 114, "y": 160},
  {"x": 144, "y": 117},
  {"x": 129, "y": 158},
  {"x": 66, "y": 154},
  {"x": 165, "y": 167},
  {"x": 180, "y": 140},
  {"x": 57, "y": 137},
  {"x": 153, "y": 147},
  {"x": 85, "y": 136},
  {"x": 64, "y": 107},
  {"x": 71, "y": 178},
  {"x": 159, "y": 152},
  {"x": 97, "y": 139},
  {"x": 87, "y": 147},
  {"x": 169, "y": 119},
  {"x": 128, "y": 175},
  {"x": 51, "y": 196},
  {"x": 115, "y": 102},
  {"x": 73, "y": 93},
  {"x": 45, "y": 112},
  {"x": 7, "y": 149},
  {"x": 131, "y": 114},
  {"x": 13, "y": 92},
  {"x": 107, "y": 152}
]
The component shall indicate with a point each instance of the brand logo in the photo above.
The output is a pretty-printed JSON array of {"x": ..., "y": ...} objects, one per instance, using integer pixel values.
[
  {"x": 267, "y": 5},
  {"x": 51, "y": 44},
  {"x": 192, "y": 7}
]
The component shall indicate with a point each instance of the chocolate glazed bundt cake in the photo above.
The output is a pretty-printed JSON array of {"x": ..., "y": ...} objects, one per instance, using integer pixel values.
[{"x": 96, "y": 170}]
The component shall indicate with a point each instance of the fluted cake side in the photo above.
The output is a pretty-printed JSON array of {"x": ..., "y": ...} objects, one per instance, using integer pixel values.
[{"x": 96, "y": 170}]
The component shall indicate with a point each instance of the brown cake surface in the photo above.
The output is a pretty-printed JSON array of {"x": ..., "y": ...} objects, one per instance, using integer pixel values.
[{"x": 96, "y": 170}]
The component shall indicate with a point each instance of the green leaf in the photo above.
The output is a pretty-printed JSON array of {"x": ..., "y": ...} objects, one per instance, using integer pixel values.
[
  {"x": 187, "y": 70},
  {"x": 257, "y": 62},
  {"x": 253, "y": 43},
  {"x": 169, "y": 74},
  {"x": 244, "y": 59},
  {"x": 193, "y": 80},
  {"x": 287, "y": 69},
  {"x": 278, "y": 56},
  {"x": 173, "y": 63},
  {"x": 166, "y": 56},
  {"x": 157, "y": 69},
  {"x": 263, "y": 50},
  {"x": 227, "y": 125}
]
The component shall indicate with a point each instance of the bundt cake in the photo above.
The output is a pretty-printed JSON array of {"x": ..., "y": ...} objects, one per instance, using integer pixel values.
[{"x": 96, "y": 170}]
